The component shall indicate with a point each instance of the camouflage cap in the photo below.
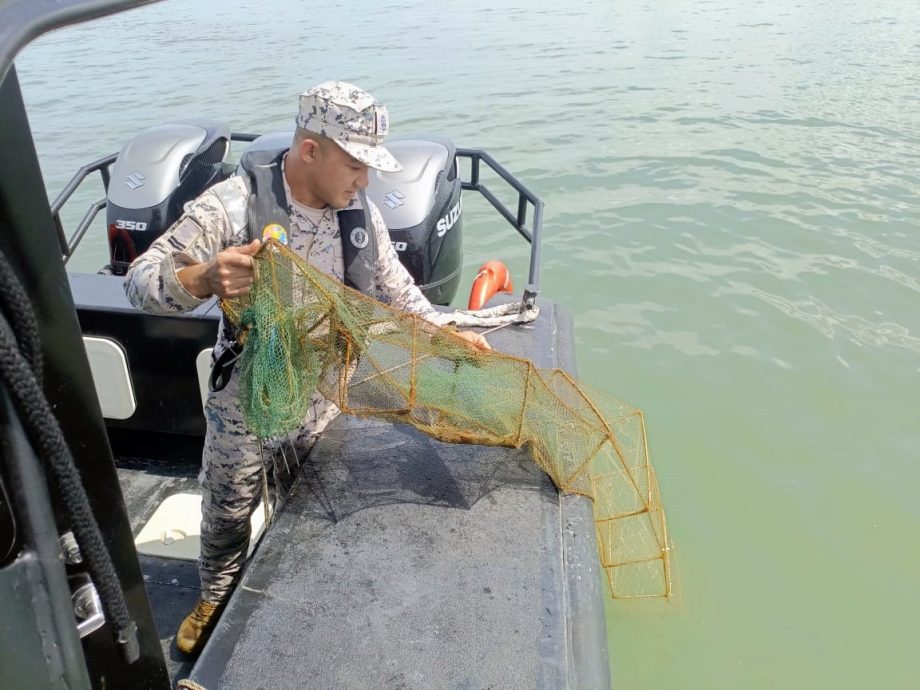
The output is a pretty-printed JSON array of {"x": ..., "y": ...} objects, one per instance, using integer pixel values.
[{"x": 352, "y": 118}]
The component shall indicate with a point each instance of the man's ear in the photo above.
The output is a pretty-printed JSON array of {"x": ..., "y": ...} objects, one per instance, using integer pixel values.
[{"x": 308, "y": 150}]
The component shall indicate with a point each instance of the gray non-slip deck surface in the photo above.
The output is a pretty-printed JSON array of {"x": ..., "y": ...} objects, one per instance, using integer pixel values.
[
  {"x": 402, "y": 562},
  {"x": 172, "y": 585}
]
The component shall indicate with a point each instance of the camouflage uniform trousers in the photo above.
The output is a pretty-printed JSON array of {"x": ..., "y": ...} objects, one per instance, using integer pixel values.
[{"x": 231, "y": 481}]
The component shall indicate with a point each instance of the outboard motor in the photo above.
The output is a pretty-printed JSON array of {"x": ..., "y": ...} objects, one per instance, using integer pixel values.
[
  {"x": 153, "y": 177},
  {"x": 422, "y": 208}
]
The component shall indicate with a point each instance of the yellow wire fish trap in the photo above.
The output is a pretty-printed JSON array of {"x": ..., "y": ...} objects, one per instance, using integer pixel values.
[{"x": 304, "y": 331}]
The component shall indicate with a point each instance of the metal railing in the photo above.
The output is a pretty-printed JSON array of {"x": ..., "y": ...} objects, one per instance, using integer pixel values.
[
  {"x": 519, "y": 220},
  {"x": 69, "y": 246}
]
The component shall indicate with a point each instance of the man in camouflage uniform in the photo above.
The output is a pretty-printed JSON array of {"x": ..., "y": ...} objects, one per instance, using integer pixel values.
[{"x": 339, "y": 136}]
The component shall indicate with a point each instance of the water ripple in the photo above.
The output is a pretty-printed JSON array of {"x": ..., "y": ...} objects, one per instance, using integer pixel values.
[{"x": 830, "y": 323}]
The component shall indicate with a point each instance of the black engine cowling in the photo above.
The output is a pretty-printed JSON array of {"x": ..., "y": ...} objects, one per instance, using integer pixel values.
[
  {"x": 422, "y": 208},
  {"x": 153, "y": 177}
]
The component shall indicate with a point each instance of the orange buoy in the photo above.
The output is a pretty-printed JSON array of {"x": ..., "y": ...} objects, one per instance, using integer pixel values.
[{"x": 493, "y": 277}]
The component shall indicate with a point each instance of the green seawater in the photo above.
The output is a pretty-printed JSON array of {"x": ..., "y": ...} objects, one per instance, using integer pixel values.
[{"x": 733, "y": 217}]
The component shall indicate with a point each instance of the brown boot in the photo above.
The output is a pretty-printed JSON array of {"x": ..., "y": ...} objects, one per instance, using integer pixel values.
[{"x": 196, "y": 628}]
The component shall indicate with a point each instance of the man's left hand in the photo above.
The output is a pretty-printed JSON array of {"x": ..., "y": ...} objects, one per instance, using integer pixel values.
[{"x": 477, "y": 341}]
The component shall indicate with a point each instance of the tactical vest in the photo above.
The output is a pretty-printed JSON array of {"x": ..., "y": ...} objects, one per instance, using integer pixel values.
[{"x": 268, "y": 206}]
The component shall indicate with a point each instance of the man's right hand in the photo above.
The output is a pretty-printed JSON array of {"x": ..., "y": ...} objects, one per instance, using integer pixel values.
[{"x": 229, "y": 274}]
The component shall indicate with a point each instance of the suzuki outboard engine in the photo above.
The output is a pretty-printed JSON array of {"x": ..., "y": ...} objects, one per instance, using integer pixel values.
[
  {"x": 421, "y": 206},
  {"x": 154, "y": 175}
]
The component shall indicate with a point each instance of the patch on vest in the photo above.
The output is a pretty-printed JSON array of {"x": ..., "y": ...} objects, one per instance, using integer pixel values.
[
  {"x": 359, "y": 238},
  {"x": 276, "y": 231}
]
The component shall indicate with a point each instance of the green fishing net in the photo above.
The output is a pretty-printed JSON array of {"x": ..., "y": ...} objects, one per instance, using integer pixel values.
[{"x": 304, "y": 331}]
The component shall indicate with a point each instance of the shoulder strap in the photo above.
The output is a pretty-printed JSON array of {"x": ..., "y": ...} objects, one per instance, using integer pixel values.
[
  {"x": 359, "y": 246},
  {"x": 267, "y": 202}
]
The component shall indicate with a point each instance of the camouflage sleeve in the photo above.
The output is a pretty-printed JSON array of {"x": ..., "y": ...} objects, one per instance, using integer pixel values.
[
  {"x": 210, "y": 223},
  {"x": 393, "y": 283}
]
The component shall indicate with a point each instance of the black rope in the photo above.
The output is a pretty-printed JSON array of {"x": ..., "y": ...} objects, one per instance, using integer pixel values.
[
  {"x": 17, "y": 308},
  {"x": 19, "y": 374}
]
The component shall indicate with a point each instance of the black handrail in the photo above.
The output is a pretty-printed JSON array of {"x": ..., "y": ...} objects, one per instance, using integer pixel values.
[
  {"x": 102, "y": 166},
  {"x": 518, "y": 221}
]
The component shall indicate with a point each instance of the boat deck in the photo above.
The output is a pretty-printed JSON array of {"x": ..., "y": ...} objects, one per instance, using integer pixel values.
[
  {"x": 172, "y": 584},
  {"x": 397, "y": 561}
]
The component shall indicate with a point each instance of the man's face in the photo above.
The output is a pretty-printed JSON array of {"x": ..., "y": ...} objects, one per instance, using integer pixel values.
[{"x": 338, "y": 176}]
